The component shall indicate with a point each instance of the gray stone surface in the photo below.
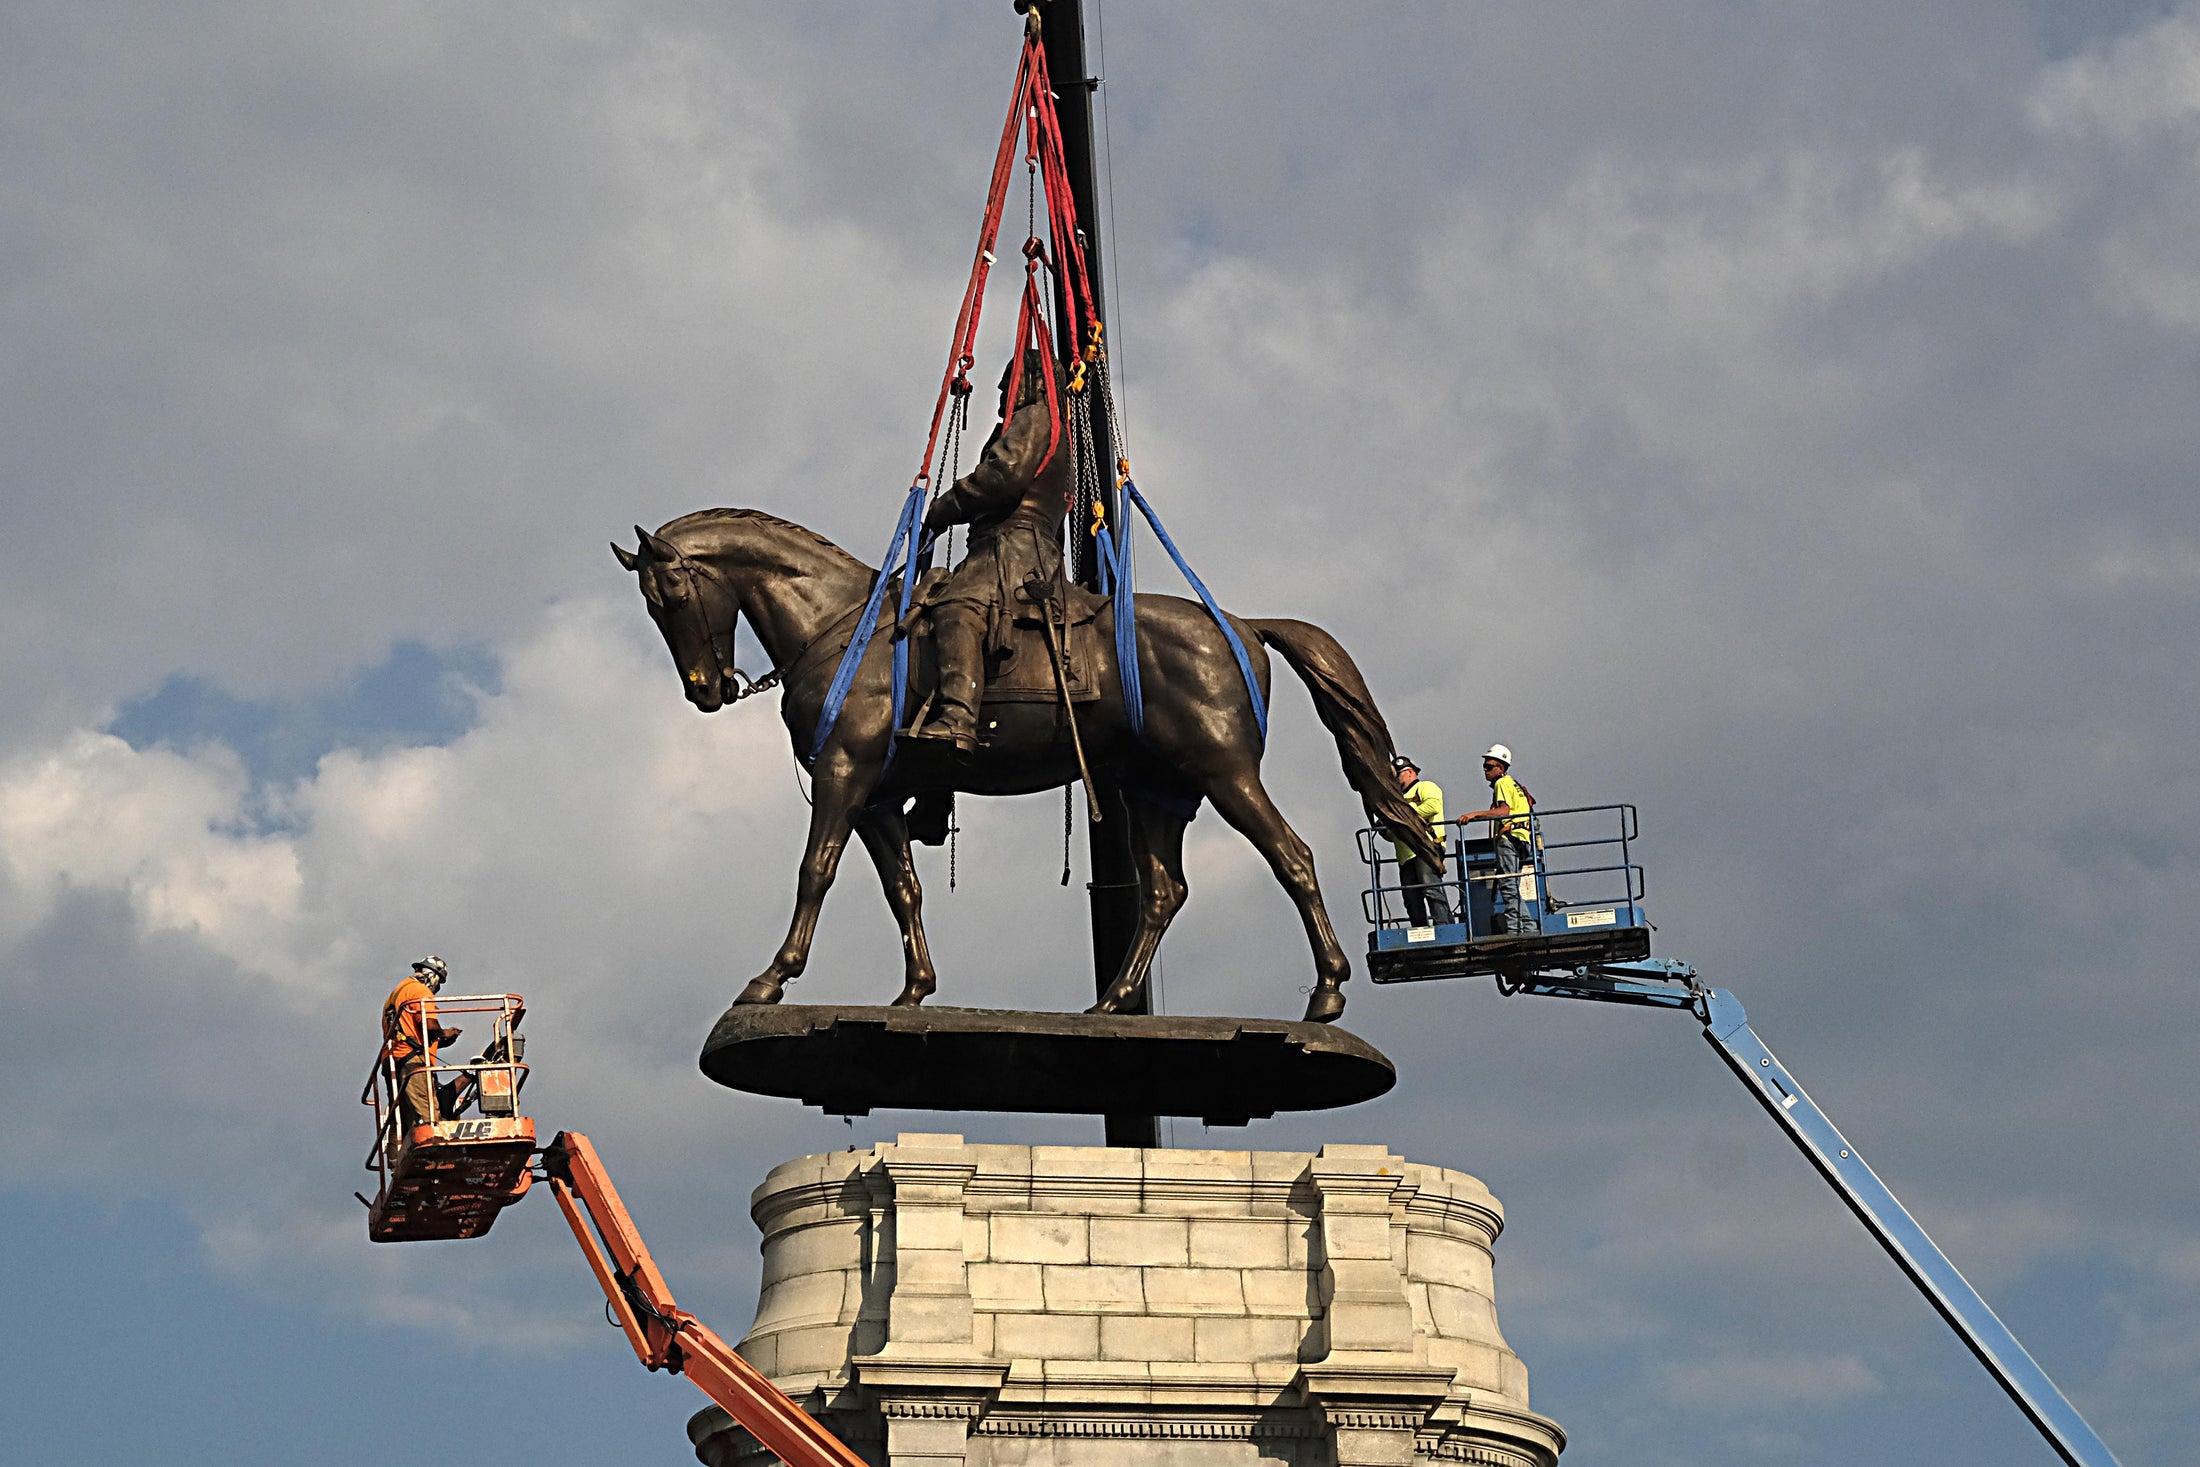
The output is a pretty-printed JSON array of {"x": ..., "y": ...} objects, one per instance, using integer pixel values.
[{"x": 958, "y": 1305}]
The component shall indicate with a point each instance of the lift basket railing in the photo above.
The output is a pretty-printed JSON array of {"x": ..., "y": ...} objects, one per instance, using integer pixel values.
[
  {"x": 490, "y": 1082},
  {"x": 1597, "y": 866}
]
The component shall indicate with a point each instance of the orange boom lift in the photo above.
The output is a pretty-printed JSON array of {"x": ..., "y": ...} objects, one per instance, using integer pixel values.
[{"x": 449, "y": 1178}]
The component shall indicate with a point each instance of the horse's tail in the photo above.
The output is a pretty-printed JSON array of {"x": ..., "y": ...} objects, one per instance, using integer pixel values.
[{"x": 1348, "y": 711}]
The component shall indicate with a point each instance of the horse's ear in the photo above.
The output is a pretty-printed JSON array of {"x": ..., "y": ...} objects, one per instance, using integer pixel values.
[
  {"x": 627, "y": 557},
  {"x": 658, "y": 547}
]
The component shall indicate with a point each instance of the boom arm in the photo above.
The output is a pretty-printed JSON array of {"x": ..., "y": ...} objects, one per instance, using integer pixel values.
[
  {"x": 665, "y": 1336},
  {"x": 1726, "y": 1028}
]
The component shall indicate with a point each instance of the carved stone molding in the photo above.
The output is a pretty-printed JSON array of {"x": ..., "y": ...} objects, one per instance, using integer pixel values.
[{"x": 949, "y": 1304}]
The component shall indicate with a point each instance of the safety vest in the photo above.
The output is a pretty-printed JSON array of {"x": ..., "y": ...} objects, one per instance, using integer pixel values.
[
  {"x": 1427, "y": 799},
  {"x": 1506, "y": 791},
  {"x": 407, "y": 1015}
]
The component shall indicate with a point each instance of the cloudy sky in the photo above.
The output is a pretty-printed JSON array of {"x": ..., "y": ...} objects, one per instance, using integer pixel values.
[{"x": 1780, "y": 416}]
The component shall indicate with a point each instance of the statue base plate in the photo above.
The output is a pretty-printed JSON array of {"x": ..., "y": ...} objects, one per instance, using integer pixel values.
[{"x": 849, "y": 1060}]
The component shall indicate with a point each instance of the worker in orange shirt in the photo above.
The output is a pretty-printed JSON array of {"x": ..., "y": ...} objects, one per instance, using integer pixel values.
[{"x": 410, "y": 1031}]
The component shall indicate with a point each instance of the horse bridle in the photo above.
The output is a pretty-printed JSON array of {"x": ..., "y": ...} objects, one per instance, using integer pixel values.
[{"x": 734, "y": 684}]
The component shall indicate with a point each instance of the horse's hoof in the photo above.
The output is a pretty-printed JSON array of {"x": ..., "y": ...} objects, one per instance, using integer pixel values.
[
  {"x": 762, "y": 990},
  {"x": 1324, "y": 1005}
]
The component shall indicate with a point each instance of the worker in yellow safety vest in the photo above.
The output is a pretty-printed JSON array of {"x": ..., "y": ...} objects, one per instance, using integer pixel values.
[
  {"x": 1420, "y": 880},
  {"x": 1513, "y": 838},
  {"x": 411, "y": 1034}
]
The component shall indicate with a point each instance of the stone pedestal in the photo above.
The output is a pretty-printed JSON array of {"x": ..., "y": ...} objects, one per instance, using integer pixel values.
[{"x": 958, "y": 1305}]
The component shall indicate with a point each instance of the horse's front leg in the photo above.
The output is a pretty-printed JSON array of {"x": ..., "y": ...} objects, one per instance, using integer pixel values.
[
  {"x": 834, "y": 803},
  {"x": 885, "y": 835}
]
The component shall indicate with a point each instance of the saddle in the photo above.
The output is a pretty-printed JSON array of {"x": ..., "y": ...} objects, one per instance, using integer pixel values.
[{"x": 1019, "y": 662}]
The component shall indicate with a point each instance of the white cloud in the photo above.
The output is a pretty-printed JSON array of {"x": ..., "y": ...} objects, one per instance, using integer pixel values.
[{"x": 2146, "y": 81}]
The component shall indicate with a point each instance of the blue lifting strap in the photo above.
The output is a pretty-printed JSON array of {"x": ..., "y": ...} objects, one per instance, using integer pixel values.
[
  {"x": 901, "y": 549},
  {"x": 1115, "y": 560}
]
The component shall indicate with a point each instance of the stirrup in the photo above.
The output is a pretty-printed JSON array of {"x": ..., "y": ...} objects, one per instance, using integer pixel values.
[{"x": 947, "y": 729}]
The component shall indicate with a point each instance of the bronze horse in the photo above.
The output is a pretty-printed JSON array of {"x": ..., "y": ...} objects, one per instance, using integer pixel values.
[{"x": 803, "y": 595}]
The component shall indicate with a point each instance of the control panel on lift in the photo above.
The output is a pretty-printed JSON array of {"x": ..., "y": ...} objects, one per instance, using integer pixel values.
[{"x": 1569, "y": 895}]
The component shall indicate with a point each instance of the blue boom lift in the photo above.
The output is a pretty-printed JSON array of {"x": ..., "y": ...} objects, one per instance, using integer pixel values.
[{"x": 1591, "y": 940}]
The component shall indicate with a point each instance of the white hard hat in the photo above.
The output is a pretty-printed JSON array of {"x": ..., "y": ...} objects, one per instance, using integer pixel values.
[{"x": 1501, "y": 754}]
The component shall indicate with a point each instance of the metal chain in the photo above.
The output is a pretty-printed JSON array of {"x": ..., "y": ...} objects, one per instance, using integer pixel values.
[
  {"x": 1104, "y": 384},
  {"x": 749, "y": 687}
]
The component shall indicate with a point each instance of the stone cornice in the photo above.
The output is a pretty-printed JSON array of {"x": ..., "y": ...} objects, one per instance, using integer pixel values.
[{"x": 1148, "y": 1428}]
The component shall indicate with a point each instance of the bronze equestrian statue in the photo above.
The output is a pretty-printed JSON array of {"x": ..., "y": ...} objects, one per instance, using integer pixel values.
[{"x": 803, "y": 595}]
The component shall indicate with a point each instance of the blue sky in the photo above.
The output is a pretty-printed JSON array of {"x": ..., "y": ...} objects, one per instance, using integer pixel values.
[{"x": 1777, "y": 416}]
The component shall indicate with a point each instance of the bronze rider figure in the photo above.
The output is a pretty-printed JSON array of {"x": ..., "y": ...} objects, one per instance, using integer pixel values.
[{"x": 1014, "y": 502}]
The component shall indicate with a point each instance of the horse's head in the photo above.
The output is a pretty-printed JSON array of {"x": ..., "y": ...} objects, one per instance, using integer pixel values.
[{"x": 695, "y": 610}]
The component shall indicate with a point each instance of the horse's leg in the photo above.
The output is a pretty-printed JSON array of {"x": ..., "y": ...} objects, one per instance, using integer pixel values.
[
  {"x": 834, "y": 803},
  {"x": 1157, "y": 852},
  {"x": 1242, "y": 801},
  {"x": 885, "y": 835}
]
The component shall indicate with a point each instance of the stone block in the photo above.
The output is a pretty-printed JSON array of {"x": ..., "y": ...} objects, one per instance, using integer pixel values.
[
  {"x": 1219, "y": 1339},
  {"x": 807, "y": 1298},
  {"x": 1194, "y": 1290},
  {"x": 1188, "y": 1165},
  {"x": 930, "y": 1271},
  {"x": 1478, "y": 1365},
  {"x": 1143, "y": 1337},
  {"x": 1461, "y": 1314},
  {"x": 1280, "y": 1166},
  {"x": 1438, "y": 1258},
  {"x": 818, "y": 1247},
  {"x": 1237, "y": 1243},
  {"x": 1057, "y": 1162},
  {"x": 1355, "y": 1235},
  {"x": 1046, "y": 1336},
  {"x": 761, "y": 1351},
  {"x": 926, "y": 1441},
  {"x": 927, "y": 1226},
  {"x": 1512, "y": 1377},
  {"x": 817, "y": 1352},
  {"x": 997, "y": 1163},
  {"x": 928, "y": 1319},
  {"x": 1032, "y": 1237},
  {"x": 1281, "y": 1292},
  {"x": 1301, "y": 1239},
  {"x": 1085, "y": 1288},
  {"x": 1007, "y": 1286},
  {"x": 1141, "y": 1240},
  {"x": 1366, "y": 1447}
]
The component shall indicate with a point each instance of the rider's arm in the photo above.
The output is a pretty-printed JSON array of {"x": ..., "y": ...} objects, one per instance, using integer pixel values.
[{"x": 1004, "y": 472}]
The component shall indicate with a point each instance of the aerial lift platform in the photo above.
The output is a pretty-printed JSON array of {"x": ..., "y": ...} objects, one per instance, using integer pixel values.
[
  {"x": 450, "y": 1177},
  {"x": 1590, "y": 939}
]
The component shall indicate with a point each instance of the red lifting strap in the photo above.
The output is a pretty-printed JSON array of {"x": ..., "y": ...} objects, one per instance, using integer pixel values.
[{"x": 1030, "y": 108}]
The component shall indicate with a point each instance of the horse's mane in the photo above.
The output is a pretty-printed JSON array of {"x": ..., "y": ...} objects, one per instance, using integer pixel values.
[{"x": 674, "y": 529}]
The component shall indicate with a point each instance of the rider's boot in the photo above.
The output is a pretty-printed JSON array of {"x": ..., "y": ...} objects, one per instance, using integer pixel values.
[{"x": 958, "y": 637}]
